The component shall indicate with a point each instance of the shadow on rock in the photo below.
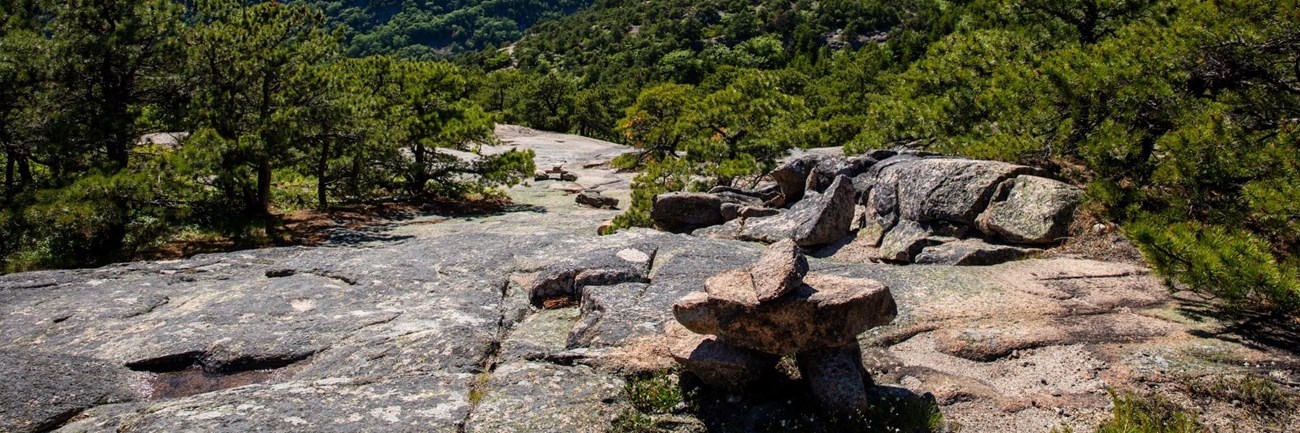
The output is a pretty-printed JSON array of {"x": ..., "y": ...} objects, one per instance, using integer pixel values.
[
  {"x": 1259, "y": 331},
  {"x": 778, "y": 402}
]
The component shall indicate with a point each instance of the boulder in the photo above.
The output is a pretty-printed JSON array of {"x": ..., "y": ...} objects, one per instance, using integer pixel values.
[
  {"x": 764, "y": 193},
  {"x": 971, "y": 252},
  {"x": 594, "y": 199},
  {"x": 826, "y": 311},
  {"x": 681, "y": 212},
  {"x": 837, "y": 379},
  {"x": 935, "y": 189},
  {"x": 792, "y": 177},
  {"x": 738, "y": 198},
  {"x": 819, "y": 219},
  {"x": 731, "y": 211},
  {"x": 905, "y": 240},
  {"x": 827, "y": 169},
  {"x": 541, "y": 175},
  {"x": 719, "y": 364},
  {"x": 1031, "y": 210},
  {"x": 568, "y": 177}
]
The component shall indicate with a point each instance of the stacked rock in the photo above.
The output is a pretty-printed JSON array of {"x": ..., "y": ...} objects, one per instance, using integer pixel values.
[{"x": 746, "y": 319}]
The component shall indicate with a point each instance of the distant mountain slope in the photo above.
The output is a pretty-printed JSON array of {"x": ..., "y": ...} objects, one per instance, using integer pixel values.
[
  {"x": 684, "y": 40},
  {"x": 426, "y": 29}
]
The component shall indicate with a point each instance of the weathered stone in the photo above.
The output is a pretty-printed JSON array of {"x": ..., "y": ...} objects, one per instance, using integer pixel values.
[
  {"x": 736, "y": 286},
  {"x": 720, "y": 364},
  {"x": 539, "y": 397},
  {"x": 827, "y": 169},
  {"x": 793, "y": 176},
  {"x": 601, "y": 267},
  {"x": 905, "y": 240},
  {"x": 609, "y": 316},
  {"x": 818, "y": 219},
  {"x": 935, "y": 189},
  {"x": 731, "y": 211},
  {"x": 738, "y": 198},
  {"x": 1030, "y": 209},
  {"x": 837, "y": 379},
  {"x": 971, "y": 252},
  {"x": 541, "y": 175},
  {"x": 41, "y": 391},
  {"x": 540, "y": 334},
  {"x": 780, "y": 270},
  {"x": 615, "y": 315},
  {"x": 568, "y": 177},
  {"x": 827, "y": 311},
  {"x": 435, "y": 402},
  {"x": 594, "y": 199},
  {"x": 681, "y": 212},
  {"x": 764, "y": 193}
]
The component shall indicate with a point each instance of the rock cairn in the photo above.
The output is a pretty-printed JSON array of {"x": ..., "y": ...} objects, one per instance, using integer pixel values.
[{"x": 746, "y": 319}]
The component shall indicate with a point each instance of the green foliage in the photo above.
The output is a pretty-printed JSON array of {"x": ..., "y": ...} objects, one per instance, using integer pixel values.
[
  {"x": 656, "y": 393},
  {"x": 428, "y": 30},
  {"x": 672, "y": 174},
  {"x": 279, "y": 120},
  {"x": 1148, "y": 414},
  {"x": 1232, "y": 264},
  {"x": 1259, "y": 395}
]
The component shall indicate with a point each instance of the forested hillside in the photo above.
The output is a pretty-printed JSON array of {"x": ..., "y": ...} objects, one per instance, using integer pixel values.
[
  {"x": 273, "y": 118},
  {"x": 436, "y": 29},
  {"x": 1180, "y": 117}
]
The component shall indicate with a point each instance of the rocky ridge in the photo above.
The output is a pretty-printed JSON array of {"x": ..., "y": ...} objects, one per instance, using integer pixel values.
[{"x": 527, "y": 321}]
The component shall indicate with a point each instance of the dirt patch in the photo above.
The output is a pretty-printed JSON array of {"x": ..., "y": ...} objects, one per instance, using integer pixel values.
[{"x": 1092, "y": 238}]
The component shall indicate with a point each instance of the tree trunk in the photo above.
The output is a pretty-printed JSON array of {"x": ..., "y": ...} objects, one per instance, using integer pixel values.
[
  {"x": 355, "y": 186},
  {"x": 322, "y": 166},
  {"x": 11, "y": 167},
  {"x": 24, "y": 169},
  {"x": 421, "y": 176},
  {"x": 263, "y": 188}
]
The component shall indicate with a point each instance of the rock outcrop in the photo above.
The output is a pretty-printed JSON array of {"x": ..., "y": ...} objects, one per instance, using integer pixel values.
[
  {"x": 1030, "y": 209},
  {"x": 901, "y": 203},
  {"x": 772, "y": 309}
]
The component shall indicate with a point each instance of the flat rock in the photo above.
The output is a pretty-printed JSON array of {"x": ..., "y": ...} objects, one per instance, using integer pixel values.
[
  {"x": 1030, "y": 209},
  {"x": 905, "y": 240},
  {"x": 41, "y": 391},
  {"x": 602, "y": 267},
  {"x": 432, "y": 402},
  {"x": 971, "y": 252},
  {"x": 540, "y": 397}
]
